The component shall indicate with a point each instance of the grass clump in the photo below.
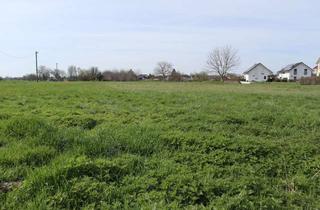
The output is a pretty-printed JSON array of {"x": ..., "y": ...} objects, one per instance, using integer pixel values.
[
  {"x": 79, "y": 181},
  {"x": 118, "y": 139},
  {"x": 23, "y": 127},
  {"x": 80, "y": 122}
]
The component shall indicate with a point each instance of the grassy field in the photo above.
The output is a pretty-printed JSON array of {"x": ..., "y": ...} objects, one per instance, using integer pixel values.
[{"x": 154, "y": 145}]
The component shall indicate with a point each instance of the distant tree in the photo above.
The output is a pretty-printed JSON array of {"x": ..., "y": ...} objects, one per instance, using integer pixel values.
[
  {"x": 222, "y": 61},
  {"x": 83, "y": 75},
  {"x": 58, "y": 75},
  {"x": 151, "y": 76},
  {"x": 201, "y": 76},
  {"x": 234, "y": 77},
  {"x": 1, "y": 78},
  {"x": 122, "y": 75},
  {"x": 107, "y": 75},
  {"x": 175, "y": 76},
  {"x": 94, "y": 73},
  {"x": 30, "y": 77},
  {"x": 99, "y": 76},
  {"x": 131, "y": 75},
  {"x": 72, "y": 73},
  {"x": 44, "y": 73},
  {"x": 164, "y": 69}
]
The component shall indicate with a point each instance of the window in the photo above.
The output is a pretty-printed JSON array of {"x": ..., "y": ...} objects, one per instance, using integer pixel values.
[
  {"x": 265, "y": 77},
  {"x": 295, "y": 72},
  {"x": 295, "y": 78},
  {"x": 306, "y": 72}
]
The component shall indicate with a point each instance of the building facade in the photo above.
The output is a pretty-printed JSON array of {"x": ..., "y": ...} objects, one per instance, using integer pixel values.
[
  {"x": 257, "y": 73},
  {"x": 295, "y": 72}
]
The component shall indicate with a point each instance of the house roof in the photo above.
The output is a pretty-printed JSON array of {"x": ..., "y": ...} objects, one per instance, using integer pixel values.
[
  {"x": 254, "y": 66},
  {"x": 292, "y": 66},
  {"x": 289, "y": 67}
]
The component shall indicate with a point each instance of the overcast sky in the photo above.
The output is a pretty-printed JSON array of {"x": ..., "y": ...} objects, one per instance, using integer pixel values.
[{"x": 138, "y": 33}]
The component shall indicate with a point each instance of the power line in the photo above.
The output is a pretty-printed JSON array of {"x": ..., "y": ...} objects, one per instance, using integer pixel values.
[{"x": 13, "y": 56}]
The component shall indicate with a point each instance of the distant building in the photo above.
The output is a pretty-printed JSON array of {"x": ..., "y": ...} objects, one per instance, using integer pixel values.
[
  {"x": 257, "y": 73},
  {"x": 295, "y": 71},
  {"x": 143, "y": 76}
]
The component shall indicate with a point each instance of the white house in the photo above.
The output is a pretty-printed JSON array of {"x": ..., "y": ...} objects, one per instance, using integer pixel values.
[
  {"x": 295, "y": 72},
  {"x": 317, "y": 68},
  {"x": 257, "y": 73}
]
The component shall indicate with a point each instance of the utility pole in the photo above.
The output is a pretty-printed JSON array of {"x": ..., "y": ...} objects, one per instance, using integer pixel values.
[
  {"x": 56, "y": 66},
  {"x": 37, "y": 70}
]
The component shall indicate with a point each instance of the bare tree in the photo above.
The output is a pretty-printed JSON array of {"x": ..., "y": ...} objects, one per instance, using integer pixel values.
[
  {"x": 122, "y": 75},
  {"x": 201, "y": 76},
  {"x": 31, "y": 77},
  {"x": 94, "y": 73},
  {"x": 44, "y": 73},
  {"x": 83, "y": 74},
  {"x": 222, "y": 61},
  {"x": 175, "y": 76},
  {"x": 58, "y": 75},
  {"x": 72, "y": 73},
  {"x": 164, "y": 69}
]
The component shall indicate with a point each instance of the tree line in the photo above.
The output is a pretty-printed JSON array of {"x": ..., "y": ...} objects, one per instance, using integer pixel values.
[
  {"x": 80, "y": 74},
  {"x": 220, "y": 62}
]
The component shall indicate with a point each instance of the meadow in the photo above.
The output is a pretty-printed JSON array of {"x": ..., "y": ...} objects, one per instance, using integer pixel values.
[{"x": 159, "y": 145}]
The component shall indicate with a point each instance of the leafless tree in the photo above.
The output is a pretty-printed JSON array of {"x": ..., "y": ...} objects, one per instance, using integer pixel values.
[
  {"x": 201, "y": 76},
  {"x": 222, "y": 61},
  {"x": 95, "y": 74},
  {"x": 164, "y": 69},
  {"x": 58, "y": 75},
  {"x": 31, "y": 77},
  {"x": 175, "y": 76},
  {"x": 72, "y": 73},
  {"x": 83, "y": 74},
  {"x": 44, "y": 73},
  {"x": 122, "y": 75}
]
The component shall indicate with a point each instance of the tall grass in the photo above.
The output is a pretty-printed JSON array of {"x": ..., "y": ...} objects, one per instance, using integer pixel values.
[{"x": 153, "y": 145}]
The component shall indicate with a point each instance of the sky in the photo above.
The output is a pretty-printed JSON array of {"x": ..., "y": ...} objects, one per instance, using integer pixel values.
[{"x": 136, "y": 34}]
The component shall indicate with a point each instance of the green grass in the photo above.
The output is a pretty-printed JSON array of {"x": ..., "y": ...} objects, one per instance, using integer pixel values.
[{"x": 159, "y": 145}]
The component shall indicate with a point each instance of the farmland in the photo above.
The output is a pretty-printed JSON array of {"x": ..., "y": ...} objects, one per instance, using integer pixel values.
[{"x": 159, "y": 145}]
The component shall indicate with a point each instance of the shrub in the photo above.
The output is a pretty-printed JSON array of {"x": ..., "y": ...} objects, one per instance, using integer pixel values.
[
  {"x": 310, "y": 81},
  {"x": 202, "y": 76},
  {"x": 121, "y": 75}
]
